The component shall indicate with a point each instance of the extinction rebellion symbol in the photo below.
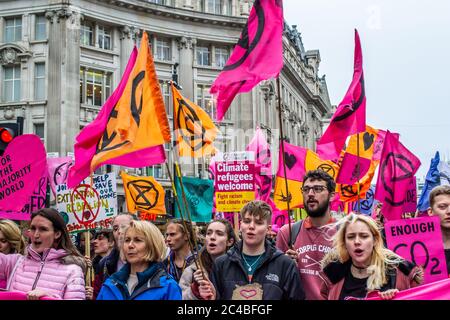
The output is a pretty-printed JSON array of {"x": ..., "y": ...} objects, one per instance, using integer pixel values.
[{"x": 140, "y": 191}]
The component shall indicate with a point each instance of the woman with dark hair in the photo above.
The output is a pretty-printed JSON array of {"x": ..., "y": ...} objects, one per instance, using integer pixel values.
[
  {"x": 219, "y": 238},
  {"x": 52, "y": 267}
]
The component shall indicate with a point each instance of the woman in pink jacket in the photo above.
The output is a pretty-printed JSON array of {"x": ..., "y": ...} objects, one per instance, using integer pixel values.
[
  {"x": 52, "y": 266},
  {"x": 11, "y": 241}
]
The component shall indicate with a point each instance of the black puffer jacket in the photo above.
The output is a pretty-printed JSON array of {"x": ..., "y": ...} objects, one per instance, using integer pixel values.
[{"x": 277, "y": 274}]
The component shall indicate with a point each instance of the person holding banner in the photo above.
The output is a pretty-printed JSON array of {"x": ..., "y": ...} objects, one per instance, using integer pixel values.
[
  {"x": 143, "y": 277},
  {"x": 440, "y": 206},
  {"x": 359, "y": 264},
  {"x": 253, "y": 269},
  {"x": 178, "y": 236},
  {"x": 313, "y": 239},
  {"x": 11, "y": 241},
  {"x": 219, "y": 238},
  {"x": 52, "y": 266}
]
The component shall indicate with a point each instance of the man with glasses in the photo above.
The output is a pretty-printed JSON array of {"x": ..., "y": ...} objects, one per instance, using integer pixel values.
[{"x": 314, "y": 238}]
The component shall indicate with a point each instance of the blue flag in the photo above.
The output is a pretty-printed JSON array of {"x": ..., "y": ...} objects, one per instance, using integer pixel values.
[
  {"x": 432, "y": 180},
  {"x": 366, "y": 205},
  {"x": 199, "y": 196}
]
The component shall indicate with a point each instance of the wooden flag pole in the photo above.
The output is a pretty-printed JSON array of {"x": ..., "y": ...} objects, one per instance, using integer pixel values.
[
  {"x": 87, "y": 252},
  {"x": 284, "y": 162}
]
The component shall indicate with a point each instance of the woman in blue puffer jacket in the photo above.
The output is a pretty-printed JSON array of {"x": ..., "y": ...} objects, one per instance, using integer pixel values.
[{"x": 143, "y": 277}]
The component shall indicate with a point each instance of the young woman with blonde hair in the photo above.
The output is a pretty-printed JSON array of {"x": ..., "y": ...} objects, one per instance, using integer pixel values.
[
  {"x": 359, "y": 263},
  {"x": 11, "y": 241},
  {"x": 143, "y": 277}
]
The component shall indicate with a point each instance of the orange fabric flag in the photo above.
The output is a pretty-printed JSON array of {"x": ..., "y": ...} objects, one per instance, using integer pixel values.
[
  {"x": 194, "y": 129},
  {"x": 138, "y": 120},
  {"x": 143, "y": 194}
]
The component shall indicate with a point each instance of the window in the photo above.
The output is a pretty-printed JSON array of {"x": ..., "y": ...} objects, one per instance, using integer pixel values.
[
  {"x": 203, "y": 56},
  {"x": 86, "y": 34},
  {"x": 40, "y": 31},
  {"x": 95, "y": 86},
  {"x": 228, "y": 7},
  {"x": 205, "y": 100},
  {"x": 39, "y": 81},
  {"x": 162, "y": 49},
  {"x": 13, "y": 29},
  {"x": 215, "y": 6},
  {"x": 39, "y": 130},
  {"x": 104, "y": 38},
  {"x": 221, "y": 56},
  {"x": 11, "y": 84},
  {"x": 165, "y": 89},
  {"x": 158, "y": 1}
]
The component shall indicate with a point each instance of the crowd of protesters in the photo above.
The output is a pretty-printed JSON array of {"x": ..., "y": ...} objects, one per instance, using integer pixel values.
[{"x": 317, "y": 258}]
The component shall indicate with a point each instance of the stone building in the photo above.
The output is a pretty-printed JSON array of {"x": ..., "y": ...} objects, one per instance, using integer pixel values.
[{"x": 61, "y": 59}]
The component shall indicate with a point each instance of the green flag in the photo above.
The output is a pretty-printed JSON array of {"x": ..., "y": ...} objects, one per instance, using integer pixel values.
[{"x": 199, "y": 196}]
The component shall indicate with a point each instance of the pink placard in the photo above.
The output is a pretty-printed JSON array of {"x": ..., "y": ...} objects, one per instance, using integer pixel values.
[
  {"x": 21, "y": 168},
  {"x": 234, "y": 185},
  {"x": 419, "y": 240}
]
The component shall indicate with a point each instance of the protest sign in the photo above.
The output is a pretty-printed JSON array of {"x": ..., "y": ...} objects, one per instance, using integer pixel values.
[
  {"x": 234, "y": 183},
  {"x": 34, "y": 203},
  {"x": 419, "y": 240},
  {"x": 21, "y": 168},
  {"x": 88, "y": 207}
]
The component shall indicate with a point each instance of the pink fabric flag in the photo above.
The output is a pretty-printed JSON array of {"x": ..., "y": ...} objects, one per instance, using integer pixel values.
[
  {"x": 88, "y": 138},
  {"x": 257, "y": 56},
  {"x": 295, "y": 158},
  {"x": 352, "y": 169},
  {"x": 263, "y": 165},
  {"x": 350, "y": 116},
  {"x": 58, "y": 171},
  {"x": 439, "y": 290},
  {"x": 397, "y": 166},
  {"x": 16, "y": 295},
  {"x": 279, "y": 217}
]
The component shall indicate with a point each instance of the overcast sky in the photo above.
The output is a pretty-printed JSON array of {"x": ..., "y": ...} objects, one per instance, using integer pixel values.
[{"x": 406, "y": 54}]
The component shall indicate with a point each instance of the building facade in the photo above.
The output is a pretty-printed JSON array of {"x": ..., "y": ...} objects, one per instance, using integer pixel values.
[{"x": 61, "y": 59}]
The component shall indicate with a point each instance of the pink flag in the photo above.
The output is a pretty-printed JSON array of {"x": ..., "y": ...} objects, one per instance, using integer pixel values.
[
  {"x": 88, "y": 139},
  {"x": 295, "y": 158},
  {"x": 279, "y": 217},
  {"x": 58, "y": 170},
  {"x": 397, "y": 166},
  {"x": 257, "y": 56},
  {"x": 16, "y": 295},
  {"x": 350, "y": 116},
  {"x": 263, "y": 165},
  {"x": 352, "y": 169}
]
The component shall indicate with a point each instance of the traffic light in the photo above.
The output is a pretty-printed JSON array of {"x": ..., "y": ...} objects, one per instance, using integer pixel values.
[{"x": 8, "y": 131}]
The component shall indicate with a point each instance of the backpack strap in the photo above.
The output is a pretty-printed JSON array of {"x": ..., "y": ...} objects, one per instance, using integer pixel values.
[{"x": 295, "y": 230}]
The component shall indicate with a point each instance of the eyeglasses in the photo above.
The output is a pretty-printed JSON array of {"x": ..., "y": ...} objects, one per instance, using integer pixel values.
[{"x": 316, "y": 189}]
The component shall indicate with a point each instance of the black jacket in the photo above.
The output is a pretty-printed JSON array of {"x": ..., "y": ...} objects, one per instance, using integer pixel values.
[
  {"x": 336, "y": 271},
  {"x": 277, "y": 274}
]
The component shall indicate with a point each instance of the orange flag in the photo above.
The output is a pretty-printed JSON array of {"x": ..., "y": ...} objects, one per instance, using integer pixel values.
[
  {"x": 194, "y": 129},
  {"x": 143, "y": 194},
  {"x": 138, "y": 120}
]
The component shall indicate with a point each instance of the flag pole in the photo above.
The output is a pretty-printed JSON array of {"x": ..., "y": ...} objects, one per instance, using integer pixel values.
[
  {"x": 284, "y": 162},
  {"x": 359, "y": 172}
]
